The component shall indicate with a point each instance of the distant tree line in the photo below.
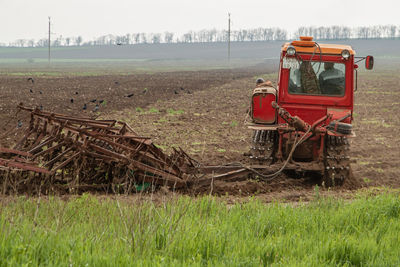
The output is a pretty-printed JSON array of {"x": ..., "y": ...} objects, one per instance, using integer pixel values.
[
  {"x": 343, "y": 32},
  {"x": 213, "y": 35}
]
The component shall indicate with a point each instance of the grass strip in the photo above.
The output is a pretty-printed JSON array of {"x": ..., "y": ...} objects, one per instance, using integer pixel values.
[{"x": 93, "y": 231}]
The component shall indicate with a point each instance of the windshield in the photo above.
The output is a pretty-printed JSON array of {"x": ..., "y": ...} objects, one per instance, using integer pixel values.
[{"x": 317, "y": 78}]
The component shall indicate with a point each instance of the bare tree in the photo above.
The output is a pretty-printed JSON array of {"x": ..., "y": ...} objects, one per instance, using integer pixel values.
[
  {"x": 143, "y": 38},
  {"x": 136, "y": 37},
  {"x": 78, "y": 40},
  {"x": 31, "y": 43},
  {"x": 168, "y": 37},
  {"x": 42, "y": 42},
  {"x": 392, "y": 31},
  {"x": 187, "y": 37},
  {"x": 20, "y": 42},
  {"x": 127, "y": 39},
  {"x": 155, "y": 38}
]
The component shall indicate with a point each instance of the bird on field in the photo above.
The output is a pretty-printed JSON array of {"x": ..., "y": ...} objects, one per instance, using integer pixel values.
[
  {"x": 31, "y": 79},
  {"x": 76, "y": 92},
  {"x": 40, "y": 92},
  {"x": 130, "y": 95},
  {"x": 84, "y": 106},
  {"x": 182, "y": 88},
  {"x": 101, "y": 101},
  {"x": 144, "y": 90},
  {"x": 96, "y": 108},
  {"x": 116, "y": 82},
  {"x": 30, "y": 90},
  {"x": 93, "y": 100},
  {"x": 41, "y": 107},
  {"x": 119, "y": 43},
  {"x": 176, "y": 92},
  {"x": 19, "y": 124},
  {"x": 72, "y": 100},
  {"x": 188, "y": 92}
]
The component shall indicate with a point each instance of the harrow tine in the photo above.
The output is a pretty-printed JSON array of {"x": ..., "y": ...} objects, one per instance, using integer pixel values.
[
  {"x": 50, "y": 149},
  {"x": 63, "y": 164},
  {"x": 15, "y": 152},
  {"x": 49, "y": 163},
  {"x": 45, "y": 143}
]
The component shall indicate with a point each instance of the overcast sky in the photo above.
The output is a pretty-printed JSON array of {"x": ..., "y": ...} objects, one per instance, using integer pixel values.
[{"x": 27, "y": 19}]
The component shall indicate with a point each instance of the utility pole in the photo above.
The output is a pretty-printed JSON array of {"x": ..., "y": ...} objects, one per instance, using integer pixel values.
[
  {"x": 229, "y": 37},
  {"x": 49, "y": 39}
]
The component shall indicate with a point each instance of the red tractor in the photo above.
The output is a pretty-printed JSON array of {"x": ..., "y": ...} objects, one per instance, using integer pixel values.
[{"x": 305, "y": 123}]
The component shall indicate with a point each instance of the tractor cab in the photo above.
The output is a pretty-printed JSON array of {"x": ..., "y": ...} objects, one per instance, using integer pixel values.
[
  {"x": 316, "y": 77},
  {"x": 309, "y": 114}
]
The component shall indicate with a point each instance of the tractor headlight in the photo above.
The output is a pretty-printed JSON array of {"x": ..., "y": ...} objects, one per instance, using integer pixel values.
[
  {"x": 291, "y": 51},
  {"x": 346, "y": 54}
]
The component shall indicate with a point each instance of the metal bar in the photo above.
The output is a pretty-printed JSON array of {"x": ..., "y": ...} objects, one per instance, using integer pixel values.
[
  {"x": 58, "y": 157},
  {"x": 15, "y": 152},
  {"x": 130, "y": 128},
  {"x": 48, "y": 140},
  {"x": 62, "y": 165},
  {"x": 48, "y": 150},
  {"x": 118, "y": 136},
  {"x": 23, "y": 166},
  {"x": 170, "y": 178},
  {"x": 224, "y": 177},
  {"x": 108, "y": 152},
  {"x": 97, "y": 155}
]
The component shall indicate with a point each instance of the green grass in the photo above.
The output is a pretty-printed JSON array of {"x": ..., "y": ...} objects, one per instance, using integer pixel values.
[
  {"x": 139, "y": 110},
  {"x": 173, "y": 112},
  {"x": 184, "y": 231},
  {"x": 153, "y": 111}
]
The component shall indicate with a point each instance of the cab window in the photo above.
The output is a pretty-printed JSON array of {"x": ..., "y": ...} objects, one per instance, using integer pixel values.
[{"x": 317, "y": 78}]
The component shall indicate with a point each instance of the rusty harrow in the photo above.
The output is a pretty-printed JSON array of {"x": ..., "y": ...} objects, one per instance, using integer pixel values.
[{"x": 60, "y": 152}]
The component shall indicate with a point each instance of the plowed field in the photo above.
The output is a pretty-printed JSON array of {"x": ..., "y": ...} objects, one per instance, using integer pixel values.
[{"x": 204, "y": 112}]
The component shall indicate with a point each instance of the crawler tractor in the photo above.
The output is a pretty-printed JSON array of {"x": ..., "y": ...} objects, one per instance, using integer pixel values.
[{"x": 306, "y": 121}]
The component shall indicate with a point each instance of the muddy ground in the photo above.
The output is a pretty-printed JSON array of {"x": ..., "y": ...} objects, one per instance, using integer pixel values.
[{"x": 204, "y": 112}]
